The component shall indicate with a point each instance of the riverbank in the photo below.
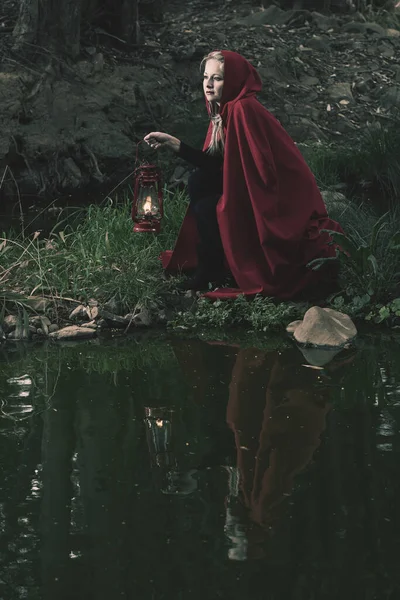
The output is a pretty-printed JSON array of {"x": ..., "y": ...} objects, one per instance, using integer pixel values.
[{"x": 98, "y": 274}]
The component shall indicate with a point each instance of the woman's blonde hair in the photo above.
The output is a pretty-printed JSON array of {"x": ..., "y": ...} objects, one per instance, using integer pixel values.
[{"x": 217, "y": 142}]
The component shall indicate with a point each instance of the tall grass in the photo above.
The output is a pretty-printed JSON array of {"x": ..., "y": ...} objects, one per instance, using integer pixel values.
[
  {"x": 367, "y": 167},
  {"x": 100, "y": 258}
]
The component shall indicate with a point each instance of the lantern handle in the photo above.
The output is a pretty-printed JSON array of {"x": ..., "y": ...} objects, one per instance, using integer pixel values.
[{"x": 137, "y": 152}]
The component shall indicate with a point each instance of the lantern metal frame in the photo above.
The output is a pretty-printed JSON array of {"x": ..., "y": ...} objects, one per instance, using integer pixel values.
[{"x": 146, "y": 173}]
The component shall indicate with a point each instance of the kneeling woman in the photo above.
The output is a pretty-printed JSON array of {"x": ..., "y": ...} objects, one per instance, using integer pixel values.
[{"x": 255, "y": 209}]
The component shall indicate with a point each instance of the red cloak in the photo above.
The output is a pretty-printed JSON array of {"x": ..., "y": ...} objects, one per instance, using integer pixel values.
[{"x": 271, "y": 211}]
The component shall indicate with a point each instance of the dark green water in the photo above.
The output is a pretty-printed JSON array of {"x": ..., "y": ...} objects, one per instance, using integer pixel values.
[{"x": 184, "y": 469}]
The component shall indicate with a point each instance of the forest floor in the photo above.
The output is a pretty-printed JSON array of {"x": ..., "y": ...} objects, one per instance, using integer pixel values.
[{"x": 70, "y": 128}]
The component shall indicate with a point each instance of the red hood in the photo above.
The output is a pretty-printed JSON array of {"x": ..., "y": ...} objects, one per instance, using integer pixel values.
[{"x": 241, "y": 80}]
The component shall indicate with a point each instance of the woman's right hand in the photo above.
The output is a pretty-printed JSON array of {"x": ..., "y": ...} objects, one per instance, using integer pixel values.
[{"x": 157, "y": 139}]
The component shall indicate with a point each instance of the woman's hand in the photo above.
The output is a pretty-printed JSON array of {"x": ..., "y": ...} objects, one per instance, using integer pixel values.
[{"x": 157, "y": 139}]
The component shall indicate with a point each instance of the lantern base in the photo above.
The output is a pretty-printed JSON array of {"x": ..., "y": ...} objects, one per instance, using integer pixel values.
[{"x": 147, "y": 227}]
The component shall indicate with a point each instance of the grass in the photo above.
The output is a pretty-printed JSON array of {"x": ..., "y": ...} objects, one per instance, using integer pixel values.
[
  {"x": 366, "y": 168},
  {"x": 100, "y": 258}
]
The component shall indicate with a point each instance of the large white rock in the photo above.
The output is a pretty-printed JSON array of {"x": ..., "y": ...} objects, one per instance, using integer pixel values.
[{"x": 323, "y": 327}]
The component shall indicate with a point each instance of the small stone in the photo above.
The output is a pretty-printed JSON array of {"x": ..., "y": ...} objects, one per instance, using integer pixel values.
[
  {"x": 38, "y": 304},
  {"x": 143, "y": 318},
  {"x": 112, "y": 306},
  {"x": 114, "y": 321},
  {"x": 340, "y": 91},
  {"x": 9, "y": 323},
  {"x": 80, "y": 312},
  {"x": 53, "y": 327},
  {"x": 73, "y": 332},
  {"x": 93, "y": 312},
  {"x": 91, "y": 324}
]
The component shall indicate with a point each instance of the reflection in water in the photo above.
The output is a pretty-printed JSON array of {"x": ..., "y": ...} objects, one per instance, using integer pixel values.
[
  {"x": 227, "y": 472},
  {"x": 160, "y": 429}
]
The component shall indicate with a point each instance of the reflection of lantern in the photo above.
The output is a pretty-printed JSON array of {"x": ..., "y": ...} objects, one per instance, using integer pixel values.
[
  {"x": 161, "y": 441},
  {"x": 147, "y": 208},
  {"x": 158, "y": 434}
]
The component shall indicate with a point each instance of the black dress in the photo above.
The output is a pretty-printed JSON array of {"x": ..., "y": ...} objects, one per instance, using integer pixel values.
[{"x": 205, "y": 187}]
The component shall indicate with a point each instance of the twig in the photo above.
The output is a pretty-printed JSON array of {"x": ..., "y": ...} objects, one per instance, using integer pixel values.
[
  {"x": 18, "y": 196},
  {"x": 94, "y": 159},
  {"x": 118, "y": 185}
]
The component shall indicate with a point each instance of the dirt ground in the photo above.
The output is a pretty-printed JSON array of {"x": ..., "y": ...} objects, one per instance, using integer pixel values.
[{"x": 72, "y": 129}]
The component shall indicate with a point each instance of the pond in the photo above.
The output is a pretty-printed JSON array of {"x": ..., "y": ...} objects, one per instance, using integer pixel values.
[{"x": 161, "y": 468}]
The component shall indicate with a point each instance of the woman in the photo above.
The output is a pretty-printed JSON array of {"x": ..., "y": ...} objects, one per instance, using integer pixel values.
[{"x": 255, "y": 207}]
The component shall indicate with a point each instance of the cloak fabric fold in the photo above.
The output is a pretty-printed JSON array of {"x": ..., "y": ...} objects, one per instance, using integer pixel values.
[{"x": 271, "y": 212}]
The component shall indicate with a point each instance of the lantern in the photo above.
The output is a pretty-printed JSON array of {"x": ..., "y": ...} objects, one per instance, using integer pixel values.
[{"x": 147, "y": 208}]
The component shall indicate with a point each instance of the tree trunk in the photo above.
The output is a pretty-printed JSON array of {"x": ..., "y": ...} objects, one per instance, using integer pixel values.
[{"x": 53, "y": 24}]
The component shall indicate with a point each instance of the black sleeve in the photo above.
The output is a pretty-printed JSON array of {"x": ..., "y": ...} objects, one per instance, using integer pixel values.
[{"x": 200, "y": 159}]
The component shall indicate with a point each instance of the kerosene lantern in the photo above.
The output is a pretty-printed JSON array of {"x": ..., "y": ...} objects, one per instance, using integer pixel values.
[{"x": 147, "y": 207}]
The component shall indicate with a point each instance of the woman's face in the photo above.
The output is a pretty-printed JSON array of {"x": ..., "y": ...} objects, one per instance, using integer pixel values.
[{"x": 213, "y": 82}]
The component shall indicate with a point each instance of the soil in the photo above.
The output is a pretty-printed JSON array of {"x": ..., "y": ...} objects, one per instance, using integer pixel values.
[{"x": 71, "y": 129}]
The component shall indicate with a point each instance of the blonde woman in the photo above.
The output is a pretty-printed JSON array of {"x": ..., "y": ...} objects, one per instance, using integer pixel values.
[{"x": 255, "y": 209}]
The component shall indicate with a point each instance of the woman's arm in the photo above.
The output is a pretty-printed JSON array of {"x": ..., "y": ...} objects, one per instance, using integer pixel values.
[{"x": 198, "y": 158}]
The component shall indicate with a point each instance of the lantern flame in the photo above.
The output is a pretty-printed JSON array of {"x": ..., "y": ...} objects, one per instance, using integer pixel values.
[{"x": 147, "y": 205}]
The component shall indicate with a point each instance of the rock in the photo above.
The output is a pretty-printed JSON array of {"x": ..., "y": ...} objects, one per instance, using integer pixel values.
[
  {"x": 73, "y": 332},
  {"x": 9, "y": 323},
  {"x": 73, "y": 172},
  {"x": 321, "y": 44},
  {"x": 393, "y": 33},
  {"x": 304, "y": 130},
  {"x": 323, "y": 22},
  {"x": 273, "y": 15},
  {"x": 114, "y": 321},
  {"x": 309, "y": 81},
  {"x": 355, "y": 27},
  {"x": 53, "y": 327},
  {"x": 391, "y": 98},
  {"x": 91, "y": 325},
  {"x": 324, "y": 327},
  {"x": 143, "y": 318},
  {"x": 112, "y": 305},
  {"x": 340, "y": 91},
  {"x": 80, "y": 312},
  {"x": 38, "y": 304}
]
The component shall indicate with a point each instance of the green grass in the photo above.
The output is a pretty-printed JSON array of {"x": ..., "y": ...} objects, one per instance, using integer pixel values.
[
  {"x": 366, "y": 166},
  {"x": 100, "y": 258}
]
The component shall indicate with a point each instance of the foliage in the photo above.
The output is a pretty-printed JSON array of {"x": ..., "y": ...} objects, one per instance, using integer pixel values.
[
  {"x": 385, "y": 313},
  {"x": 370, "y": 267},
  {"x": 260, "y": 313}
]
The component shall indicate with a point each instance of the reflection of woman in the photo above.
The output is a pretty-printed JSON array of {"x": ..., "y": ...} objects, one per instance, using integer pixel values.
[
  {"x": 277, "y": 427},
  {"x": 254, "y": 203}
]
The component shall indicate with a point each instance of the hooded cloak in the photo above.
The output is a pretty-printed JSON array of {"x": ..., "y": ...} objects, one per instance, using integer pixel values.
[{"x": 271, "y": 212}]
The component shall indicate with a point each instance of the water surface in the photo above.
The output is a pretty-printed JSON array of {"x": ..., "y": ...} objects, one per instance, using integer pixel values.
[{"x": 167, "y": 469}]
